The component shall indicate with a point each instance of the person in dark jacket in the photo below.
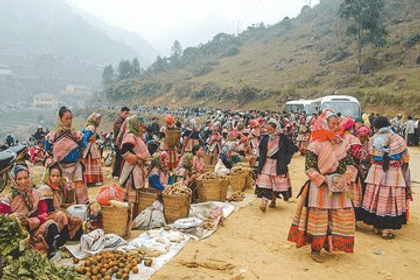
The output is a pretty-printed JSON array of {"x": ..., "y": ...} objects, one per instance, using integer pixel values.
[
  {"x": 117, "y": 127},
  {"x": 273, "y": 180}
]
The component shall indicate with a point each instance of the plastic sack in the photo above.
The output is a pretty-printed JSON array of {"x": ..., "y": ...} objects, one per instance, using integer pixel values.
[
  {"x": 108, "y": 193},
  {"x": 151, "y": 217}
]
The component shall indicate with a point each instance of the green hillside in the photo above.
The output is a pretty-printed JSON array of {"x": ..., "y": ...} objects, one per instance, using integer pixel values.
[{"x": 304, "y": 57}]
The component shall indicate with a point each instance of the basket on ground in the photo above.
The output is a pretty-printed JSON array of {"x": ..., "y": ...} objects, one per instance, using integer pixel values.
[
  {"x": 117, "y": 220},
  {"x": 237, "y": 181},
  {"x": 172, "y": 137},
  {"x": 208, "y": 159},
  {"x": 176, "y": 206},
  {"x": 212, "y": 189},
  {"x": 145, "y": 198}
]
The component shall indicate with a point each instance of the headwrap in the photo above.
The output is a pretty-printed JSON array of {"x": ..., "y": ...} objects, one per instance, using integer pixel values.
[
  {"x": 48, "y": 173},
  {"x": 320, "y": 128},
  {"x": 162, "y": 156},
  {"x": 94, "y": 119},
  {"x": 275, "y": 122},
  {"x": 362, "y": 130},
  {"x": 134, "y": 122},
  {"x": 233, "y": 135},
  {"x": 346, "y": 123},
  {"x": 19, "y": 168},
  {"x": 254, "y": 123},
  {"x": 169, "y": 119}
]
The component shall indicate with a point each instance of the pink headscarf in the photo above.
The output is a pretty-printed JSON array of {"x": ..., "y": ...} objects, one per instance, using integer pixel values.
[{"x": 362, "y": 130}]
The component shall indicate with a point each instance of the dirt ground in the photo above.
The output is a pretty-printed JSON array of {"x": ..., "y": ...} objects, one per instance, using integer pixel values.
[{"x": 255, "y": 244}]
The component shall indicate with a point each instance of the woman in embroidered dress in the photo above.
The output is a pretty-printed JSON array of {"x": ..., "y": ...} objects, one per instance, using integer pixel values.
[
  {"x": 172, "y": 151},
  {"x": 135, "y": 154},
  {"x": 91, "y": 157},
  {"x": 23, "y": 201},
  {"x": 273, "y": 180},
  {"x": 303, "y": 136},
  {"x": 51, "y": 192},
  {"x": 159, "y": 176},
  {"x": 388, "y": 183},
  {"x": 324, "y": 216},
  {"x": 66, "y": 145},
  {"x": 190, "y": 136},
  {"x": 254, "y": 136},
  {"x": 347, "y": 126}
]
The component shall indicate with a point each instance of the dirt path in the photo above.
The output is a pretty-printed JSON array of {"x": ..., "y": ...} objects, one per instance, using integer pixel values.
[{"x": 256, "y": 244}]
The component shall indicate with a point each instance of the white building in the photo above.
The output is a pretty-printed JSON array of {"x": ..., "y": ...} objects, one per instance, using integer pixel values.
[{"x": 45, "y": 100}]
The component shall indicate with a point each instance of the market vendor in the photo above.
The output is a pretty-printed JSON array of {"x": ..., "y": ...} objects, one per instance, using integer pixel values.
[
  {"x": 23, "y": 201},
  {"x": 135, "y": 154},
  {"x": 159, "y": 175},
  {"x": 51, "y": 197},
  {"x": 66, "y": 145},
  {"x": 227, "y": 159}
]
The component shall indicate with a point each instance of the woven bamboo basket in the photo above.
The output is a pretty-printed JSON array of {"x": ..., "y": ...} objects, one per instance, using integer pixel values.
[
  {"x": 237, "y": 181},
  {"x": 213, "y": 189},
  {"x": 146, "y": 197},
  {"x": 172, "y": 137},
  {"x": 117, "y": 220},
  {"x": 209, "y": 168},
  {"x": 176, "y": 206},
  {"x": 208, "y": 159}
]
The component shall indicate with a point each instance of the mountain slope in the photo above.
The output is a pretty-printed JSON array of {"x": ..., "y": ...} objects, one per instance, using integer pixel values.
[{"x": 305, "y": 57}]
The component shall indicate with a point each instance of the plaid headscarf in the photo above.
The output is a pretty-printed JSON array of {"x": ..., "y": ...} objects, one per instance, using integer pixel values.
[
  {"x": 134, "y": 122},
  {"x": 94, "y": 119}
]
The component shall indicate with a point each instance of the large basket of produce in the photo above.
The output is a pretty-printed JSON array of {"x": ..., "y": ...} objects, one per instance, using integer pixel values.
[
  {"x": 172, "y": 137},
  {"x": 146, "y": 197},
  {"x": 117, "y": 218},
  {"x": 176, "y": 202},
  {"x": 212, "y": 187},
  {"x": 209, "y": 168},
  {"x": 238, "y": 176}
]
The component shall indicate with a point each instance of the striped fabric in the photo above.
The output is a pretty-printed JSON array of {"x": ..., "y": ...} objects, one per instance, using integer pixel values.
[
  {"x": 385, "y": 200},
  {"x": 93, "y": 170},
  {"x": 269, "y": 179},
  {"x": 329, "y": 229}
]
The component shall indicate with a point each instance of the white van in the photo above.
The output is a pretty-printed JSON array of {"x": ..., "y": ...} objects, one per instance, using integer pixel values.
[
  {"x": 299, "y": 106},
  {"x": 344, "y": 104}
]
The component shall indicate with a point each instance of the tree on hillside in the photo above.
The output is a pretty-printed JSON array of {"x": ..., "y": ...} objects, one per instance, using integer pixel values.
[
  {"x": 176, "y": 51},
  {"x": 159, "y": 65},
  {"x": 124, "y": 70},
  {"x": 108, "y": 75},
  {"x": 366, "y": 26},
  {"x": 135, "y": 68}
]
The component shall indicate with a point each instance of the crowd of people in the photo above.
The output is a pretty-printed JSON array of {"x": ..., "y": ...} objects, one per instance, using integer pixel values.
[{"x": 357, "y": 171}]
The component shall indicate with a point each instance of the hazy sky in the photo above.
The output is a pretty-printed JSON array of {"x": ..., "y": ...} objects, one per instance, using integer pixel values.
[{"x": 189, "y": 21}]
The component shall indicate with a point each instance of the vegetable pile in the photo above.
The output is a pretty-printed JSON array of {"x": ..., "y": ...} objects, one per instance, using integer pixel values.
[
  {"x": 211, "y": 175},
  {"x": 105, "y": 264},
  {"x": 176, "y": 189},
  {"x": 33, "y": 265},
  {"x": 12, "y": 235}
]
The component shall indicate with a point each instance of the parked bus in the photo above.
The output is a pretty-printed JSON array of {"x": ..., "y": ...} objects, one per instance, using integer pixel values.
[{"x": 346, "y": 105}]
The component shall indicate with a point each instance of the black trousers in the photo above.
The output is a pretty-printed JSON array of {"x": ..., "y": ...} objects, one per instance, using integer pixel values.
[{"x": 117, "y": 165}]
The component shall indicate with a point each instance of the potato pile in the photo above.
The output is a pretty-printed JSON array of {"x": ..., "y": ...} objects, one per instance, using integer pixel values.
[
  {"x": 107, "y": 263},
  {"x": 210, "y": 175},
  {"x": 241, "y": 168},
  {"x": 236, "y": 196},
  {"x": 176, "y": 189}
]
